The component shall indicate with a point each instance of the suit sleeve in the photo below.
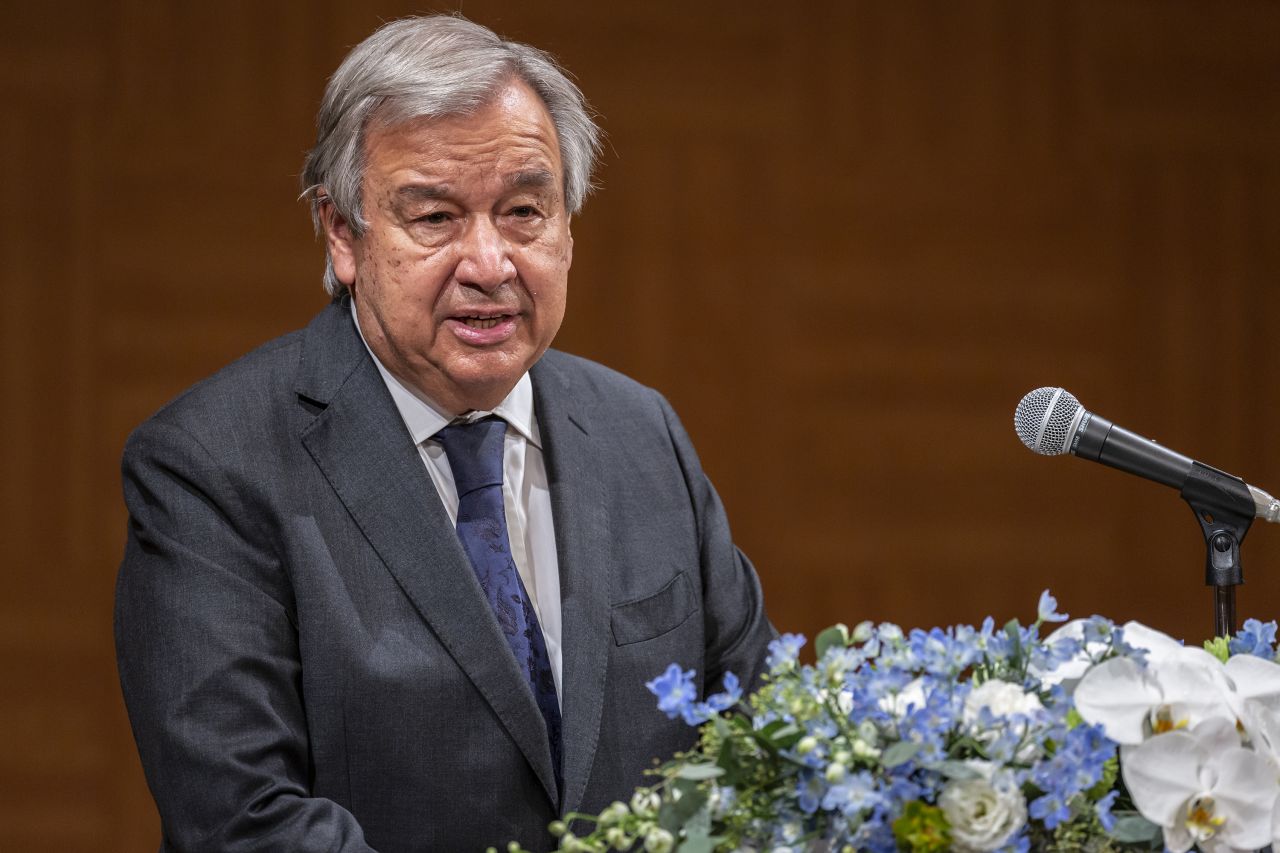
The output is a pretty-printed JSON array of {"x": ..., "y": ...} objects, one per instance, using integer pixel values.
[
  {"x": 209, "y": 662},
  {"x": 737, "y": 630}
]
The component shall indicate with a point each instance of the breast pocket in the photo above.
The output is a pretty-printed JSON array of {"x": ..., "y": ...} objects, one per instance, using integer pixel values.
[{"x": 654, "y": 615}]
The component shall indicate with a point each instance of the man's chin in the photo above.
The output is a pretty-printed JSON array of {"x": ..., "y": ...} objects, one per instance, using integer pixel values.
[{"x": 483, "y": 390}]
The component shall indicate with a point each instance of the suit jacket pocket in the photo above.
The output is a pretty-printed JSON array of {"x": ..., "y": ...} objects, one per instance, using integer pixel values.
[{"x": 653, "y": 615}]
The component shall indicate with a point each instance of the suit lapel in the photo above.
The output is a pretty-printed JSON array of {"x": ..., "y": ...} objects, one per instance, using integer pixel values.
[
  {"x": 359, "y": 442},
  {"x": 582, "y": 535}
]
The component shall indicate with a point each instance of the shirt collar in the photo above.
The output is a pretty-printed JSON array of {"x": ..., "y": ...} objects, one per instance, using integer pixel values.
[{"x": 424, "y": 418}]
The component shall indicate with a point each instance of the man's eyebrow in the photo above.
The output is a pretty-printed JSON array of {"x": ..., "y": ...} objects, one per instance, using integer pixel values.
[
  {"x": 530, "y": 179},
  {"x": 423, "y": 192}
]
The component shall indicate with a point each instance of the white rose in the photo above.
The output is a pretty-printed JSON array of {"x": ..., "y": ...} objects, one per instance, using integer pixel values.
[
  {"x": 1003, "y": 698},
  {"x": 984, "y": 812}
]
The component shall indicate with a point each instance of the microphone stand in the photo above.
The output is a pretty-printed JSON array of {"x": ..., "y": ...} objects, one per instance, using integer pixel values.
[{"x": 1225, "y": 508}]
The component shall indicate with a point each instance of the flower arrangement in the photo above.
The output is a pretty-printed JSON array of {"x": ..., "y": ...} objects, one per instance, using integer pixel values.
[{"x": 1097, "y": 737}]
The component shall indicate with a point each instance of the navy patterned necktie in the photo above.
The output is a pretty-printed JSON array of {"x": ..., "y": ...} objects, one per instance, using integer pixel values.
[{"x": 475, "y": 455}]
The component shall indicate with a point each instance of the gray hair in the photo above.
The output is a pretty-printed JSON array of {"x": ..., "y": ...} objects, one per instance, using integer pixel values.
[{"x": 432, "y": 66}]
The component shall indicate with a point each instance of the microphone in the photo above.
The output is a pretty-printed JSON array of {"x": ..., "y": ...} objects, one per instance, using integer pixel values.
[{"x": 1052, "y": 422}]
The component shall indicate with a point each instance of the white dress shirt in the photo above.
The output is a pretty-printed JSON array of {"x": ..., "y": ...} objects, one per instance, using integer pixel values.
[{"x": 525, "y": 494}]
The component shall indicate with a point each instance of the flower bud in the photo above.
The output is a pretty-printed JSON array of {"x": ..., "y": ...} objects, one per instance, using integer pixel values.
[
  {"x": 644, "y": 802},
  {"x": 862, "y": 749},
  {"x": 614, "y": 813},
  {"x": 659, "y": 841},
  {"x": 807, "y": 744},
  {"x": 557, "y": 828},
  {"x": 835, "y": 772}
]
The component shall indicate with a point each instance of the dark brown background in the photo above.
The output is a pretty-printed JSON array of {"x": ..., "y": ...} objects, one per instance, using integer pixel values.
[{"x": 843, "y": 238}]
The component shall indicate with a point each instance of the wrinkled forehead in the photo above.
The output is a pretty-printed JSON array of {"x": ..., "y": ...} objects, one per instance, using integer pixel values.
[{"x": 511, "y": 135}]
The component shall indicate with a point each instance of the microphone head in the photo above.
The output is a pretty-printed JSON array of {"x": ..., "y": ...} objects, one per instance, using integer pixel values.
[{"x": 1045, "y": 420}]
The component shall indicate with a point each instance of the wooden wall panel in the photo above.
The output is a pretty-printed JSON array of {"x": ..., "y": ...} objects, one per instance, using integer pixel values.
[{"x": 844, "y": 239}]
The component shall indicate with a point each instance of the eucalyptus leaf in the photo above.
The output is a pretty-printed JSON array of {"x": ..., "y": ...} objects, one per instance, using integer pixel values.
[
  {"x": 1013, "y": 631},
  {"x": 837, "y": 636},
  {"x": 697, "y": 844},
  {"x": 1133, "y": 828},
  {"x": 899, "y": 753},
  {"x": 957, "y": 770},
  {"x": 675, "y": 814}
]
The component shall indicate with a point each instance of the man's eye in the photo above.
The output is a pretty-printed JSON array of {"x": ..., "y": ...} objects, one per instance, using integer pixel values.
[
  {"x": 524, "y": 211},
  {"x": 437, "y": 218}
]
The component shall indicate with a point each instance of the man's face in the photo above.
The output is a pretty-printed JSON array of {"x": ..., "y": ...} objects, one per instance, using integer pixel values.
[{"x": 460, "y": 279}]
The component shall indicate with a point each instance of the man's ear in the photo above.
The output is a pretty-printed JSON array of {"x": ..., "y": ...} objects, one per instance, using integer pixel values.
[{"x": 340, "y": 242}]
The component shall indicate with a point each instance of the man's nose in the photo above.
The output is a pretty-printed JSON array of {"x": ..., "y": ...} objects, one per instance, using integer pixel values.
[{"x": 486, "y": 255}]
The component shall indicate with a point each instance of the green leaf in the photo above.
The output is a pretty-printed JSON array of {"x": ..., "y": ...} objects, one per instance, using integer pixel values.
[
  {"x": 697, "y": 844},
  {"x": 1133, "y": 828},
  {"x": 1013, "y": 631},
  {"x": 769, "y": 728},
  {"x": 697, "y": 833},
  {"x": 777, "y": 735},
  {"x": 900, "y": 753},
  {"x": 1219, "y": 647},
  {"x": 728, "y": 759},
  {"x": 675, "y": 814},
  {"x": 837, "y": 636},
  {"x": 699, "y": 772},
  {"x": 786, "y": 736}
]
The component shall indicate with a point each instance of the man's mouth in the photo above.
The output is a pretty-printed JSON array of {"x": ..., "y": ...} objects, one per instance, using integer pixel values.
[
  {"x": 482, "y": 322},
  {"x": 484, "y": 327}
]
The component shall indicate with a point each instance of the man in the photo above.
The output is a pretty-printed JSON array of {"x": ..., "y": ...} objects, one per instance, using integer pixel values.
[{"x": 396, "y": 581}]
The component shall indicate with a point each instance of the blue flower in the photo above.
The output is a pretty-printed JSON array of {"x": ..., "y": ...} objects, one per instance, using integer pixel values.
[
  {"x": 675, "y": 691},
  {"x": 697, "y": 713},
  {"x": 939, "y": 652},
  {"x": 1047, "y": 610},
  {"x": 811, "y": 789},
  {"x": 784, "y": 651},
  {"x": 1076, "y": 767},
  {"x": 1050, "y": 809},
  {"x": 1255, "y": 638},
  {"x": 725, "y": 700},
  {"x": 853, "y": 795},
  {"x": 1103, "y": 809}
]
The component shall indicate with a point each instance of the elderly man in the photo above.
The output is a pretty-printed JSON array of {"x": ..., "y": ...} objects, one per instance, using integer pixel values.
[{"x": 396, "y": 581}]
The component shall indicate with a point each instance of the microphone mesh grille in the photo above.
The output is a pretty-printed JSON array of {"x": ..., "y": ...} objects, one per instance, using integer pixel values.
[{"x": 1043, "y": 420}]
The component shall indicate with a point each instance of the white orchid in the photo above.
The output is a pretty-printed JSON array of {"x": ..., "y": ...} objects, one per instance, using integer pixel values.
[
  {"x": 1131, "y": 702},
  {"x": 1180, "y": 687},
  {"x": 1203, "y": 788},
  {"x": 1255, "y": 700}
]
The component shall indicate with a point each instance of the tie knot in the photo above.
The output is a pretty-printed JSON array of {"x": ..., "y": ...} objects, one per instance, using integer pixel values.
[{"x": 475, "y": 452}]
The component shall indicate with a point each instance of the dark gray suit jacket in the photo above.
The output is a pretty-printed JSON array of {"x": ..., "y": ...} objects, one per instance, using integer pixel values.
[{"x": 307, "y": 658}]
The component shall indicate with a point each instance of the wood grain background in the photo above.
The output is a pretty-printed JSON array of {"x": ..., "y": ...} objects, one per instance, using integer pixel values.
[{"x": 843, "y": 238}]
